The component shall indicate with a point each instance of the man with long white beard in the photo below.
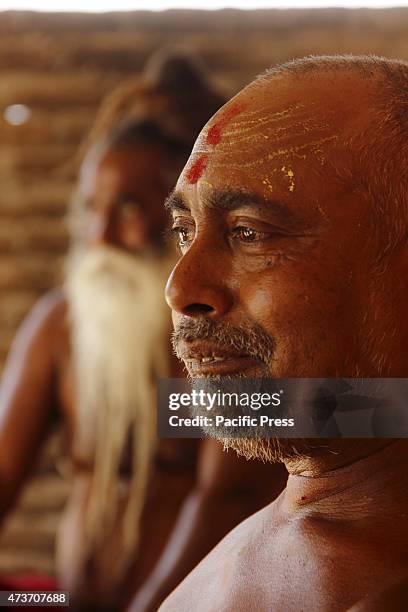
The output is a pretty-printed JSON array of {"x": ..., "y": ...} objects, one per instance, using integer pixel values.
[{"x": 90, "y": 354}]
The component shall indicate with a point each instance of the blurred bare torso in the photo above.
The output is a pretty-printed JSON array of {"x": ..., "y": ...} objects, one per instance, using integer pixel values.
[{"x": 172, "y": 477}]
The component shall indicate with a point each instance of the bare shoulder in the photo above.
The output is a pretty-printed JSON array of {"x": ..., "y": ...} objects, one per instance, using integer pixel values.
[
  {"x": 43, "y": 327},
  {"x": 27, "y": 393},
  {"x": 49, "y": 309},
  {"x": 219, "y": 582},
  {"x": 49, "y": 312}
]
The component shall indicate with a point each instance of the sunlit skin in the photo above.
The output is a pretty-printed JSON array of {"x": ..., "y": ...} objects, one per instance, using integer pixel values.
[
  {"x": 247, "y": 263},
  {"x": 277, "y": 230}
]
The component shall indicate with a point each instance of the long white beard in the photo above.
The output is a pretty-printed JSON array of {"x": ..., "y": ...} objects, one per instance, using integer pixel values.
[{"x": 120, "y": 340}]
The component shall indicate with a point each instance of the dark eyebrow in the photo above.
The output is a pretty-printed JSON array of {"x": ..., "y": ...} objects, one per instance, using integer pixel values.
[
  {"x": 230, "y": 200},
  {"x": 227, "y": 200},
  {"x": 176, "y": 202}
]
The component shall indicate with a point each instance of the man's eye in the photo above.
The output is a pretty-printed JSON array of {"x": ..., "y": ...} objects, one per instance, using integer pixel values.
[
  {"x": 247, "y": 234},
  {"x": 185, "y": 235}
]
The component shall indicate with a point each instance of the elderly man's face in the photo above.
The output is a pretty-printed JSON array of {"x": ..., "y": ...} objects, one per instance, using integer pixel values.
[
  {"x": 276, "y": 234},
  {"x": 124, "y": 188}
]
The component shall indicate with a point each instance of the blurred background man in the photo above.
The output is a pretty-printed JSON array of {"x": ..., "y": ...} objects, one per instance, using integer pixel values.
[{"x": 90, "y": 354}]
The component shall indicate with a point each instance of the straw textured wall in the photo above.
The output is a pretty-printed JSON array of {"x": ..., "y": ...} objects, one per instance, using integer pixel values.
[{"x": 61, "y": 66}]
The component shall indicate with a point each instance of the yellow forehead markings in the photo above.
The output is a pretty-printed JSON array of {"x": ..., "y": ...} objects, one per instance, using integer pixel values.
[
  {"x": 298, "y": 151},
  {"x": 322, "y": 211},
  {"x": 266, "y": 181},
  {"x": 287, "y": 128},
  {"x": 255, "y": 111},
  {"x": 242, "y": 126},
  {"x": 265, "y": 112},
  {"x": 288, "y": 172},
  {"x": 205, "y": 183},
  {"x": 278, "y": 135},
  {"x": 320, "y": 156}
]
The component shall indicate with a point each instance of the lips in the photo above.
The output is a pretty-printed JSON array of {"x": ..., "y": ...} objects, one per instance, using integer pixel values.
[{"x": 206, "y": 359}]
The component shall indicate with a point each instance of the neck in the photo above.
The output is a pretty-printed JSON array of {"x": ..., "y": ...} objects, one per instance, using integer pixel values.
[{"x": 345, "y": 480}]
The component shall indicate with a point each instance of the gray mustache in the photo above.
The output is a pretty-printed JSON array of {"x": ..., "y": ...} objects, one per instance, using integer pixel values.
[{"x": 250, "y": 338}]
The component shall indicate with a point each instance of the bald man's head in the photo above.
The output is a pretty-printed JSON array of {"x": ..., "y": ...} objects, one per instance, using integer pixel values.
[
  {"x": 380, "y": 141},
  {"x": 292, "y": 221}
]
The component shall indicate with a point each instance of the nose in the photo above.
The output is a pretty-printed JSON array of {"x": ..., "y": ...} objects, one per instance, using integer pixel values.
[{"x": 197, "y": 286}]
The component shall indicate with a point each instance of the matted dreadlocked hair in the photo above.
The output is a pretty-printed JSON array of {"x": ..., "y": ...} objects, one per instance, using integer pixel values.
[{"x": 173, "y": 91}]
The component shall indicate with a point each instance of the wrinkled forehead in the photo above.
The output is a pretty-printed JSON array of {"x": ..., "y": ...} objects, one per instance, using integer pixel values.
[
  {"x": 278, "y": 134},
  {"x": 257, "y": 131}
]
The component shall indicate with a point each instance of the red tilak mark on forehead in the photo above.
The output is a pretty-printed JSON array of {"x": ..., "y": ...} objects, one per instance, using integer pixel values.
[
  {"x": 213, "y": 137},
  {"x": 214, "y": 133},
  {"x": 197, "y": 169}
]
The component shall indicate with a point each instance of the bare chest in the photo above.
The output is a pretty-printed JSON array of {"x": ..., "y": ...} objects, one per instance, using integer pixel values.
[{"x": 293, "y": 569}]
